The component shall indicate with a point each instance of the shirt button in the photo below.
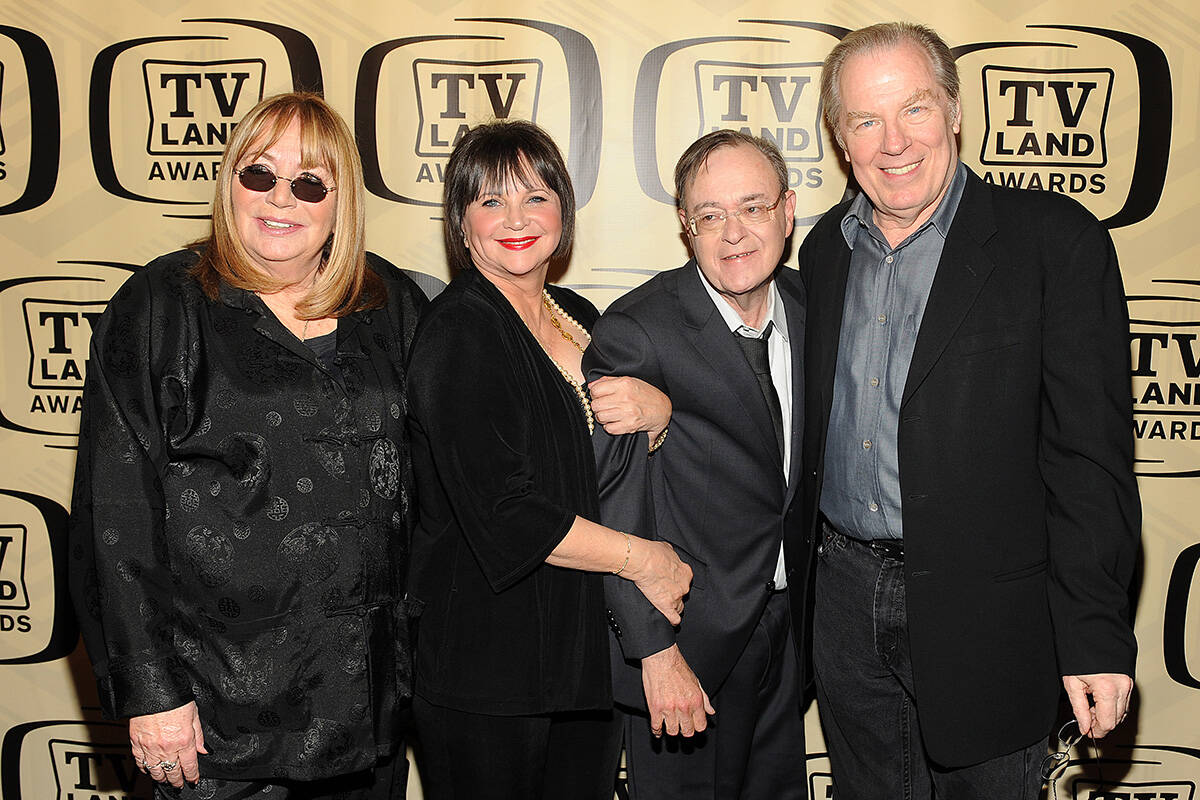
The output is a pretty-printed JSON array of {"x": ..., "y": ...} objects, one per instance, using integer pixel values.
[
  {"x": 873, "y": 506},
  {"x": 866, "y": 444},
  {"x": 889, "y": 259},
  {"x": 874, "y": 381},
  {"x": 882, "y": 318}
]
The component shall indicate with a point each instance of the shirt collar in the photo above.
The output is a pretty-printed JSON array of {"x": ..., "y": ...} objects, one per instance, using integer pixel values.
[
  {"x": 860, "y": 214},
  {"x": 734, "y": 322}
]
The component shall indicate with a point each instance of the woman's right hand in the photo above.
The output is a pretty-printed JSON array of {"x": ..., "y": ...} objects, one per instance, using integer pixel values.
[
  {"x": 165, "y": 744},
  {"x": 660, "y": 575}
]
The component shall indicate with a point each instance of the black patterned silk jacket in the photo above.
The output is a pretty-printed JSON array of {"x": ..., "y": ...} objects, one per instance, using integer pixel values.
[{"x": 241, "y": 522}]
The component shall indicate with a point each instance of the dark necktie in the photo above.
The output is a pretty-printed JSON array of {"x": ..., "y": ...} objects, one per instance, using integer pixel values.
[{"x": 756, "y": 354}]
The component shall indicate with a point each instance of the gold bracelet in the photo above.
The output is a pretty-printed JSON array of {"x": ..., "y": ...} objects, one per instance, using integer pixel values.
[
  {"x": 657, "y": 443},
  {"x": 628, "y": 550}
]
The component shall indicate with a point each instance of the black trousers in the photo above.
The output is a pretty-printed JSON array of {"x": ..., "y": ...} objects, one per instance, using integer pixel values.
[
  {"x": 869, "y": 711},
  {"x": 465, "y": 756},
  {"x": 387, "y": 781},
  {"x": 753, "y": 748}
]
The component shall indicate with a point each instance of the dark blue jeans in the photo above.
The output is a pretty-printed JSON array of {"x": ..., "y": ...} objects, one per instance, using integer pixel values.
[{"x": 869, "y": 713}]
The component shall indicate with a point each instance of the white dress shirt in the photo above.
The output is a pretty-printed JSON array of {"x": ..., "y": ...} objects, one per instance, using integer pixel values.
[{"x": 779, "y": 355}]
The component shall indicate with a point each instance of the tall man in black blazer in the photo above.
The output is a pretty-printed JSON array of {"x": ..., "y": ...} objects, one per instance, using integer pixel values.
[
  {"x": 968, "y": 460},
  {"x": 723, "y": 337}
]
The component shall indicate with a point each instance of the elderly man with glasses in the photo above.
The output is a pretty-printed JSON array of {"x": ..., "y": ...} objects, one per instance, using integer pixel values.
[{"x": 723, "y": 337}]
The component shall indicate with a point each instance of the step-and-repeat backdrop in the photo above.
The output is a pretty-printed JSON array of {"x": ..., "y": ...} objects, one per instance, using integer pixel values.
[{"x": 113, "y": 116}]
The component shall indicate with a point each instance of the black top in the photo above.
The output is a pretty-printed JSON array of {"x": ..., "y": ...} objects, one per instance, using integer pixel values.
[
  {"x": 240, "y": 523},
  {"x": 504, "y": 463},
  {"x": 325, "y": 349}
]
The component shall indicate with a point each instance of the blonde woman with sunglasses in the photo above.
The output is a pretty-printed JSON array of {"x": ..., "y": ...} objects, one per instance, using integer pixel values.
[{"x": 242, "y": 495}]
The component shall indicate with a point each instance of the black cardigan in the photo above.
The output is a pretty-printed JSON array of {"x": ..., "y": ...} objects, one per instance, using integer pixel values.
[{"x": 503, "y": 463}]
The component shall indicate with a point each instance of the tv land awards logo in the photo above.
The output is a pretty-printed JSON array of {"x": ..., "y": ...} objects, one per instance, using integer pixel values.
[
  {"x": 70, "y": 760},
  {"x": 450, "y": 93},
  {"x": 29, "y": 121},
  {"x": 435, "y": 82},
  {"x": 731, "y": 94},
  {"x": 59, "y": 333},
  {"x": 170, "y": 153},
  {"x": 1055, "y": 128},
  {"x": 14, "y": 594},
  {"x": 36, "y": 620},
  {"x": 690, "y": 87},
  {"x": 1164, "y": 328},
  {"x": 195, "y": 105},
  {"x": 1052, "y": 118},
  {"x": 54, "y": 315}
]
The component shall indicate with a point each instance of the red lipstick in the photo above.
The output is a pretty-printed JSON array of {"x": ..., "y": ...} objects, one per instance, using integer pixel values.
[{"x": 522, "y": 243}]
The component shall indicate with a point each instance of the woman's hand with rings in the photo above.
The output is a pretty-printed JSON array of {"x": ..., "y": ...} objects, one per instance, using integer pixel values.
[{"x": 165, "y": 744}]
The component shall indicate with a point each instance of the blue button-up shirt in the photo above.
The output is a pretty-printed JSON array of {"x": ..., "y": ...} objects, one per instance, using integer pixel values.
[{"x": 886, "y": 292}]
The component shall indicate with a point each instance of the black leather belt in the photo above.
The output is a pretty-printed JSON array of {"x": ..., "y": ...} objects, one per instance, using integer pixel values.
[
  {"x": 885, "y": 548},
  {"x": 882, "y": 548}
]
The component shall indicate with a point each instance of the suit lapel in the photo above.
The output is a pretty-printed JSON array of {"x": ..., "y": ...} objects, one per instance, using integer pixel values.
[
  {"x": 826, "y": 305},
  {"x": 711, "y": 337},
  {"x": 961, "y": 273},
  {"x": 794, "y": 310}
]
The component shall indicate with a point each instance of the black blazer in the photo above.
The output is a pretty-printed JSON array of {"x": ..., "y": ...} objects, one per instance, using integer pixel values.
[
  {"x": 717, "y": 489},
  {"x": 1020, "y": 507},
  {"x": 503, "y": 465}
]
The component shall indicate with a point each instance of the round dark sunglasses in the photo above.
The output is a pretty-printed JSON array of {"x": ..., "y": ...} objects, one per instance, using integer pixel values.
[{"x": 258, "y": 178}]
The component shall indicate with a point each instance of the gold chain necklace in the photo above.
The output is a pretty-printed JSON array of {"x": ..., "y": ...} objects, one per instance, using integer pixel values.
[{"x": 554, "y": 308}]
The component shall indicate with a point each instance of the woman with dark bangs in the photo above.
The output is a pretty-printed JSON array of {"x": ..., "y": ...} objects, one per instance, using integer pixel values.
[{"x": 513, "y": 694}]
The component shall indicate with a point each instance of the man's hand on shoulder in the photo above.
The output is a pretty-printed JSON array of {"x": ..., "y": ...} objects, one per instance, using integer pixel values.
[
  {"x": 1110, "y": 701},
  {"x": 674, "y": 696}
]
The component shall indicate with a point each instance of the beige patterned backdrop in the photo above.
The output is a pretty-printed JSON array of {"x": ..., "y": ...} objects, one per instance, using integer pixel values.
[{"x": 112, "y": 119}]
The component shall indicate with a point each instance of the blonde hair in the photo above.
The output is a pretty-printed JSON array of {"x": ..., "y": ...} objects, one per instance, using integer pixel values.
[{"x": 343, "y": 283}]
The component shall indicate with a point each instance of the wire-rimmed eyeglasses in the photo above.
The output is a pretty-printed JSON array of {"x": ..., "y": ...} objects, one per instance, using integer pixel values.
[
  {"x": 712, "y": 221},
  {"x": 1056, "y": 763}
]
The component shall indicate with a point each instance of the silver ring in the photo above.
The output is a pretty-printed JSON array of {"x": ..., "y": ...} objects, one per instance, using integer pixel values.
[{"x": 167, "y": 766}]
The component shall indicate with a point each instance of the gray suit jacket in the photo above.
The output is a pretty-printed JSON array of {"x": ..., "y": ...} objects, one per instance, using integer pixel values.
[{"x": 715, "y": 490}]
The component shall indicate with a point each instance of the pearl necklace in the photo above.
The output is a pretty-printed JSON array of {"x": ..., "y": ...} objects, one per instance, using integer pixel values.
[{"x": 554, "y": 308}]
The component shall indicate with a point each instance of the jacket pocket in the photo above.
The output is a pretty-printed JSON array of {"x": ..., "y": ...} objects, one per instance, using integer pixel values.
[
  {"x": 996, "y": 339},
  {"x": 1023, "y": 572}
]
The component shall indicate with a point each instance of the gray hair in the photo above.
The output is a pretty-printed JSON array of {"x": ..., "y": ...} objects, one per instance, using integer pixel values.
[{"x": 886, "y": 36}]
